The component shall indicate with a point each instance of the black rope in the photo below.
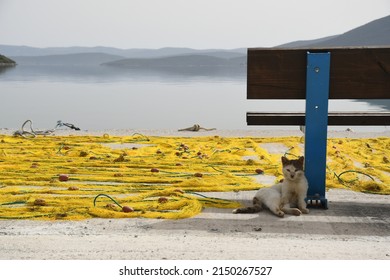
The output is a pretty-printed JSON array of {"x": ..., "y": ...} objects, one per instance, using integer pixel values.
[{"x": 33, "y": 133}]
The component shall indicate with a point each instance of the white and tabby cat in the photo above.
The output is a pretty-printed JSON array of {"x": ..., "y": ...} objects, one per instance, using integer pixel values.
[{"x": 285, "y": 196}]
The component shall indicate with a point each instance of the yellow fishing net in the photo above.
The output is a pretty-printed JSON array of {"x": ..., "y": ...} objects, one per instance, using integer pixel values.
[{"x": 80, "y": 177}]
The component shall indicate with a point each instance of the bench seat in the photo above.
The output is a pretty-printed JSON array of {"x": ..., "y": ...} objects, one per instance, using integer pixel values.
[{"x": 334, "y": 118}]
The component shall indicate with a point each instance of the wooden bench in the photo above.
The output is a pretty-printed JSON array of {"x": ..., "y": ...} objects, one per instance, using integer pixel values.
[{"x": 318, "y": 75}]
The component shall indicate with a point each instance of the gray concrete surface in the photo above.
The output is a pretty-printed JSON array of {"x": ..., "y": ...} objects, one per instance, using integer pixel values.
[{"x": 356, "y": 226}]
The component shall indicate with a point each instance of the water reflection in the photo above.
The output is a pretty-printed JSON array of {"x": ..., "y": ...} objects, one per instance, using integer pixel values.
[
  {"x": 381, "y": 103},
  {"x": 103, "y": 97},
  {"x": 109, "y": 74},
  {"x": 3, "y": 69}
]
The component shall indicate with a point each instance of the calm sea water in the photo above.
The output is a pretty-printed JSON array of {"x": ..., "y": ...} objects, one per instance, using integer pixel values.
[{"x": 98, "y": 97}]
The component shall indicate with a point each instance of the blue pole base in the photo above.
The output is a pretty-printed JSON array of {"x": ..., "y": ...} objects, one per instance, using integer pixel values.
[{"x": 317, "y": 202}]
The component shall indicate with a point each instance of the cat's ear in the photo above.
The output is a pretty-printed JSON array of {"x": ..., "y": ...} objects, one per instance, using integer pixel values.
[
  {"x": 301, "y": 161},
  {"x": 285, "y": 161}
]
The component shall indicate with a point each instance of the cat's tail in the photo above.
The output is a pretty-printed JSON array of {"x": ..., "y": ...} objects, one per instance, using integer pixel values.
[
  {"x": 251, "y": 209},
  {"x": 245, "y": 210}
]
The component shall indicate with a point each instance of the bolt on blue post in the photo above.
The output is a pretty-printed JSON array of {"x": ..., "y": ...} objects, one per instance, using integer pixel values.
[{"x": 316, "y": 125}]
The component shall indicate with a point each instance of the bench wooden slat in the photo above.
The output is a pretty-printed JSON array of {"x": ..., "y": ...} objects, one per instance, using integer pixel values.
[
  {"x": 355, "y": 73},
  {"x": 334, "y": 118}
]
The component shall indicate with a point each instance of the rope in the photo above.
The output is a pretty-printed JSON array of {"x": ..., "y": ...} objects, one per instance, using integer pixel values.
[
  {"x": 188, "y": 167},
  {"x": 196, "y": 127},
  {"x": 34, "y": 133}
]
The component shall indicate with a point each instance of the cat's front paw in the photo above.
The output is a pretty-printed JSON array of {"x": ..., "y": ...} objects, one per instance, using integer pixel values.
[
  {"x": 305, "y": 211},
  {"x": 296, "y": 212}
]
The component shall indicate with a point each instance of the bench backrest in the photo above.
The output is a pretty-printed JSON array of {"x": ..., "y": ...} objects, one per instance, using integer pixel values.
[{"x": 355, "y": 73}]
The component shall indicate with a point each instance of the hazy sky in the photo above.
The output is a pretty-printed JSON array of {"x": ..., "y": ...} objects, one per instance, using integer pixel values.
[{"x": 180, "y": 23}]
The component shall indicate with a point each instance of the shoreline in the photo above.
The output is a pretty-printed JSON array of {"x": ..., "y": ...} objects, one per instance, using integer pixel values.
[{"x": 220, "y": 132}]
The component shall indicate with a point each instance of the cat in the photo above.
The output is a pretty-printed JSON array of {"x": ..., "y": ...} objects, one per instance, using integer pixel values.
[{"x": 283, "y": 197}]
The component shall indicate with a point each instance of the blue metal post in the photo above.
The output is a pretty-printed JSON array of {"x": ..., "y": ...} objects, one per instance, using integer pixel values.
[{"x": 316, "y": 124}]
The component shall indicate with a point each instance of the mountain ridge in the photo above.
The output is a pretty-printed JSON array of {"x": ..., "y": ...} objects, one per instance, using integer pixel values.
[
  {"x": 76, "y": 59},
  {"x": 16, "y": 51},
  {"x": 374, "y": 33}
]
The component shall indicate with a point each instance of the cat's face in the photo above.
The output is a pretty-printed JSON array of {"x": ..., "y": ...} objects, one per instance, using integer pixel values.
[{"x": 292, "y": 169}]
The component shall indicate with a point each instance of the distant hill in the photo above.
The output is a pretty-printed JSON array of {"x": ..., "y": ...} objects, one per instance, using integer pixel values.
[
  {"x": 5, "y": 61},
  {"x": 193, "y": 60},
  {"x": 304, "y": 43},
  {"x": 67, "y": 59},
  {"x": 374, "y": 33},
  {"x": 13, "y": 51},
  {"x": 24, "y": 55}
]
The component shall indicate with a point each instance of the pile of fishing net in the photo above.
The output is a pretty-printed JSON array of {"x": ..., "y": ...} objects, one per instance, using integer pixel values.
[{"x": 80, "y": 177}]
